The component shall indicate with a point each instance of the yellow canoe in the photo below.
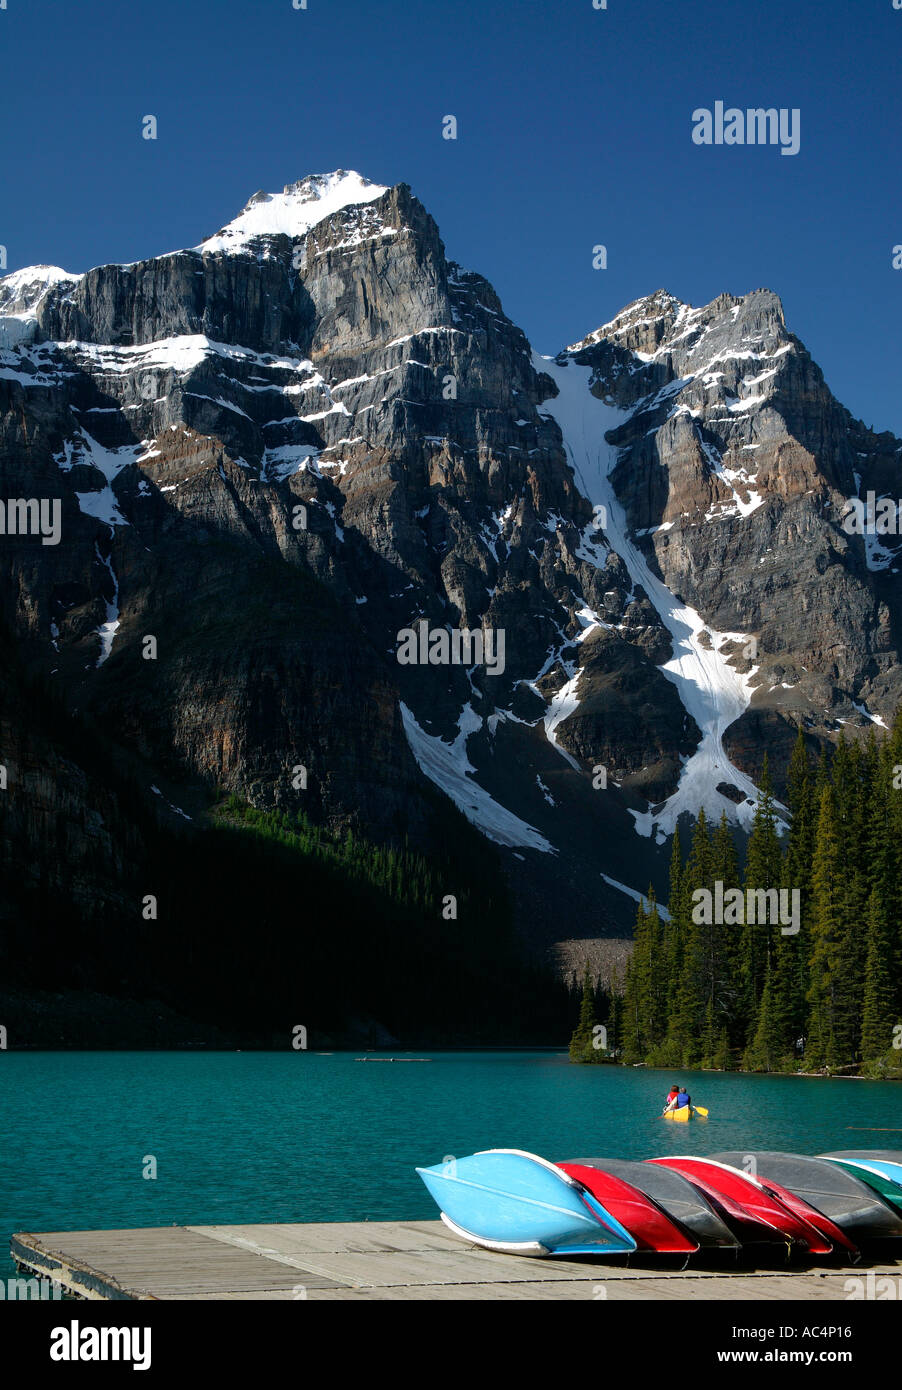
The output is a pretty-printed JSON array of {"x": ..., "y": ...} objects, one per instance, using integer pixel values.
[{"x": 682, "y": 1114}]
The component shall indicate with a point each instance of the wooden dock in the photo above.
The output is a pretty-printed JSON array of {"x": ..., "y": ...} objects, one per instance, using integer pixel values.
[{"x": 382, "y": 1260}]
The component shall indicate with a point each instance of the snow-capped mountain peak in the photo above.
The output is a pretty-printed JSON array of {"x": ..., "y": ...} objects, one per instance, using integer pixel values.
[
  {"x": 650, "y": 522},
  {"x": 295, "y": 210},
  {"x": 23, "y": 290}
]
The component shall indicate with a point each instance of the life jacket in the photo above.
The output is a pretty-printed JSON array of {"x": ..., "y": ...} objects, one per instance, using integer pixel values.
[{"x": 683, "y": 1099}]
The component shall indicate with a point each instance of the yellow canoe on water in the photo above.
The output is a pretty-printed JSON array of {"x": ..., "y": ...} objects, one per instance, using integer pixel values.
[{"x": 682, "y": 1114}]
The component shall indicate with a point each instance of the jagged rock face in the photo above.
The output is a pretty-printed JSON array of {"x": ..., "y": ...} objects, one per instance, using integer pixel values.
[
  {"x": 353, "y": 371},
  {"x": 626, "y": 722},
  {"x": 281, "y": 449},
  {"x": 736, "y": 464}
]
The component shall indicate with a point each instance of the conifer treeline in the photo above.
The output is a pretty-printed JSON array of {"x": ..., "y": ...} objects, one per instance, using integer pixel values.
[{"x": 710, "y": 994}]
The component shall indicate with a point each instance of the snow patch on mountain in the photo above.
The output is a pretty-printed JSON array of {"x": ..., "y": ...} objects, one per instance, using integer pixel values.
[
  {"x": 447, "y": 765},
  {"x": 295, "y": 210},
  {"x": 22, "y": 291},
  {"x": 640, "y": 313},
  {"x": 20, "y": 295},
  {"x": 712, "y": 691},
  {"x": 637, "y": 897},
  {"x": 181, "y": 354},
  {"x": 564, "y": 703},
  {"x": 874, "y": 718},
  {"x": 100, "y": 503},
  {"x": 740, "y": 506},
  {"x": 282, "y": 463},
  {"x": 107, "y": 631}
]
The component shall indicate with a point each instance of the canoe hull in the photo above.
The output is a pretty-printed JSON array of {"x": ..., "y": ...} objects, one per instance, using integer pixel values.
[
  {"x": 887, "y": 1162},
  {"x": 836, "y": 1192},
  {"x": 676, "y": 1197},
  {"x": 650, "y": 1226},
  {"x": 759, "y": 1216},
  {"x": 518, "y": 1203},
  {"x": 532, "y": 1248},
  {"x": 873, "y": 1176},
  {"x": 834, "y": 1236}
]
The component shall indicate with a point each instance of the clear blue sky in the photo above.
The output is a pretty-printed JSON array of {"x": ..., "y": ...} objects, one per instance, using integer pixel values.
[{"x": 574, "y": 129}]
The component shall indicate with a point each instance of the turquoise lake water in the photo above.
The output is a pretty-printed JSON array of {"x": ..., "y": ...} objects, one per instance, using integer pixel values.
[{"x": 266, "y": 1137}]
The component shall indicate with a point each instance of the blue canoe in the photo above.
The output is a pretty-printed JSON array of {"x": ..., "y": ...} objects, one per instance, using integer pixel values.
[{"x": 520, "y": 1204}]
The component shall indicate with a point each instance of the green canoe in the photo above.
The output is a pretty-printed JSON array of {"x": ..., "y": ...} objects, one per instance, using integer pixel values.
[{"x": 889, "y": 1190}]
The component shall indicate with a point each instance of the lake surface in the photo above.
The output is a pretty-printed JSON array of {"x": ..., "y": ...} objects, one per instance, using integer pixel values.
[{"x": 300, "y": 1136}]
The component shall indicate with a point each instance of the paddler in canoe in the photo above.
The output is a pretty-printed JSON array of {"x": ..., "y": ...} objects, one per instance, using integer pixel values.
[
  {"x": 677, "y": 1099},
  {"x": 679, "y": 1104},
  {"x": 677, "y": 1096}
]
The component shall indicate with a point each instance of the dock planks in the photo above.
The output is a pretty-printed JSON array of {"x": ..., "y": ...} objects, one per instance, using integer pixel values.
[{"x": 378, "y": 1260}]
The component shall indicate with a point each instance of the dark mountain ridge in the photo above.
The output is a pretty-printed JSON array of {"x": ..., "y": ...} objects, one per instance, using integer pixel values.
[{"x": 279, "y": 450}]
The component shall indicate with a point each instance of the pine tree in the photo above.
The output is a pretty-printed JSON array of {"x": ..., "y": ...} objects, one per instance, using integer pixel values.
[
  {"x": 723, "y": 1057},
  {"x": 644, "y": 991},
  {"x": 657, "y": 988},
  {"x": 794, "y": 951},
  {"x": 763, "y": 869},
  {"x": 634, "y": 1037},
  {"x": 826, "y": 935},
  {"x": 710, "y": 1037},
  {"x": 675, "y": 934},
  {"x": 696, "y": 992},
  {"x": 615, "y": 1015},
  {"x": 675, "y": 929},
  {"x": 879, "y": 1013},
  {"x": 581, "y": 1041},
  {"x": 891, "y": 771},
  {"x": 724, "y": 992},
  {"x": 800, "y": 794},
  {"x": 768, "y": 1046},
  {"x": 788, "y": 1005},
  {"x": 851, "y": 793},
  {"x": 687, "y": 1019}
]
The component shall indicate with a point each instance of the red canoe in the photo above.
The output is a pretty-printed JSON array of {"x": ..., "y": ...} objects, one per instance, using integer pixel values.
[
  {"x": 746, "y": 1202},
  {"x": 650, "y": 1227},
  {"x": 829, "y": 1229}
]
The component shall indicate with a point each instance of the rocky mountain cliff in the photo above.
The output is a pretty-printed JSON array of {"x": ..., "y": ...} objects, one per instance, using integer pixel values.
[
  {"x": 280, "y": 451},
  {"x": 735, "y": 465}
]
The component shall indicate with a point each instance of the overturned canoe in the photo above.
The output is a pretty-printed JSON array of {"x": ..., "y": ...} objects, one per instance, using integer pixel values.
[
  {"x": 520, "y": 1204},
  {"x": 875, "y": 1172},
  {"x": 885, "y": 1161},
  {"x": 676, "y": 1197},
  {"x": 755, "y": 1213},
  {"x": 648, "y": 1224},
  {"x": 797, "y": 1204},
  {"x": 835, "y": 1191}
]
